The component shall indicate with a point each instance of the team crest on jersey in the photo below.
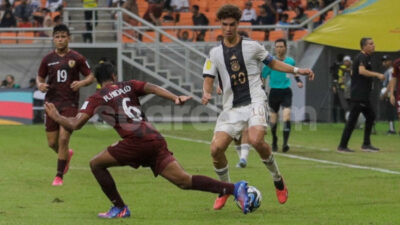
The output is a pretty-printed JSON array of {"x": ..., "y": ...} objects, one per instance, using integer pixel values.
[
  {"x": 235, "y": 66},
  {"x": 71, "y": 63},
  {"x": 208, "y": 64}
]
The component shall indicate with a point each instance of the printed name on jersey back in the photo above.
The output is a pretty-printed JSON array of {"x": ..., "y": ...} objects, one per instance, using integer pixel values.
[{"x": 116, "y": 93}]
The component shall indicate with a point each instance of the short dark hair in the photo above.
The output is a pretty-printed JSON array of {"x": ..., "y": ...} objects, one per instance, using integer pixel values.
[
  {"x": 281, "y": 40},
  {"x": 61, "y": 28},
  {"x": 229, "y": 11},
  {"x": 196, "y": 7},
  {"x": 103, "y": 72},
  {"x": 364, "y": 41}
]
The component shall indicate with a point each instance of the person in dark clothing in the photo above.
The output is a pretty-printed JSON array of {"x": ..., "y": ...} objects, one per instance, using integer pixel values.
[
  {"x": 361, "y": 86},
  {"x": 8, "y": 19},
  {"x": 199, "y": 19}
]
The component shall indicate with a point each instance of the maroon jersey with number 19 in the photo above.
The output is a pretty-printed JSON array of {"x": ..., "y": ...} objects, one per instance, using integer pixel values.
[
  {"x": 61, "y": 71},
  {"x": 118, "y": 105}
]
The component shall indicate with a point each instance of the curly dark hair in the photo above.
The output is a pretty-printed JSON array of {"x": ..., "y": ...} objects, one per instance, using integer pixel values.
[{"x": 229, "y": 11}]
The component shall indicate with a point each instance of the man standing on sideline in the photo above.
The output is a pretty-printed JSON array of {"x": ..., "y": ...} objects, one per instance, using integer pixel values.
[
  {"x": 62, "y": 67},
  {"x": 280, "y": 94},
  {"x": 361, "y": 86},
  {"x": 395, "y": 87},
  {"x": 390, "y": 110},
  {"x": 236, "y": 62}
]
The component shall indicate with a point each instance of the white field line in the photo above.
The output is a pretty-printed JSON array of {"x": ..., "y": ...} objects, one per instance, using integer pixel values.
[{"x": 302, "y": 157}]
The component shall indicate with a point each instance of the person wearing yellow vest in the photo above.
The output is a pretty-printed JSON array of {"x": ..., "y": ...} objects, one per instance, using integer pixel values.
[{"x": 89, "y": 4}]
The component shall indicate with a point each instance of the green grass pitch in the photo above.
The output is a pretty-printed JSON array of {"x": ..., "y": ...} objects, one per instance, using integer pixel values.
[{"x": 328, "y": 191}]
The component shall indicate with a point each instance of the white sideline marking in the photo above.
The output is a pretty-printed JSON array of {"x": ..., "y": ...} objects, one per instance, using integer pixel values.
[{"x": 302, "y": 157}]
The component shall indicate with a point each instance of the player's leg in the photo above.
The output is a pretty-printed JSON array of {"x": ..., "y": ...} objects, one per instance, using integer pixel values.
[
  {"x": 63, "y": 155},
  {"x": 244, "y": 149},
  {"x": 256, "y": 139},
  {"x": 286, "y": 128},
  {"x": 369, "y": 115},
  {"x": 52, "y": 140},
  {"x": 274, "y": 105},
  {"x": 349, "y": 127},
  {"x": 98, "y": 166},
  {"x": 176, "y": 175},
  {"x": 237, "y": 143}
]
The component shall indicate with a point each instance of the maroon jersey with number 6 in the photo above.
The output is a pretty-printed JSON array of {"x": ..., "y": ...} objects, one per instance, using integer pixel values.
[
  {"x": 61, "y": 71},
  {"x": 118, "y": 105}
]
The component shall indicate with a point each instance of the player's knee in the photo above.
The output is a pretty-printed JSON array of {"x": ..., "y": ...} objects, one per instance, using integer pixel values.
[
  {"x": 216, "y": 151},
  {"x": 183, "y": 182},
  {"x": 93, "y": 165},
  {"x": 255, "y": 141},
  {"x": 53, "y": 145}
]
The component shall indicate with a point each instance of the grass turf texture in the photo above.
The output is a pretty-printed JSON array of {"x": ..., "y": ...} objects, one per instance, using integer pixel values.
[{"x": 318, "y": 193}]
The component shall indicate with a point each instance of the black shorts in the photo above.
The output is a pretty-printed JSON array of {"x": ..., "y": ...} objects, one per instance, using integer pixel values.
[{"x": 279, "y": 97}]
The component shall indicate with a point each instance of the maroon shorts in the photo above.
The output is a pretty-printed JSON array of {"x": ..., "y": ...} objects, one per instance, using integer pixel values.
[
  {"x": 149, "y": 153},
  {"x": 397, "y": 104},
  {"x": 51, "y": 125}
]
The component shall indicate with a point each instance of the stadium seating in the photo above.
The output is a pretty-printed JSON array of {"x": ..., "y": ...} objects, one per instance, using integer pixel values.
[
  {"x": 8, "y": 35},
  {"x": 30, "y": 35},
  {"x": 291, "y": 14},
  {"x": 311, "y": 13},
  {"x": 299, "y": 34},
  {"x": 276, "y": 34},
  {"x": 258, "y": 35}
]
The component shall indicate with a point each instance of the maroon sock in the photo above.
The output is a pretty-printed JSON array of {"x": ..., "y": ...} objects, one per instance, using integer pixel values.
[
  {"x": 203, "y": 183},
  {"x": 61, "y": 163},
  {"x": 108, "y": 186}
]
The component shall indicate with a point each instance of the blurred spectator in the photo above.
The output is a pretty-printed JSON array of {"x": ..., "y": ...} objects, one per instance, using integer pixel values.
[
  {"x": 54, "y": 5},
  {"x": 312, "y": 4},
  {"x": 32, "y": 83},
  {"x": 199, "y": 19},
  {"x": 8, "y": 19},
  {"x": 36, "y": 5},
  {"x": 342, "y": 4},
  {"x": 220, "y": 38},
  {"x": 300, "y": 16},
  {"x": 5, "y": 4},
  {"x": 184, "y": 36},
  {"x": 283, "y": 21},
  {"x": 169, "y": 17},
  {"x": 131, "y": 5},
  {"x": 200, "y": 37},
  {"x": 180, "y": 5},
  {"x": 23, "y": 11},
  {"x": 248, "y": 13},
  {"x": 263, "y": 18},
  {"x": 117, "y": 3},
  {"x": 3, "y": 84},
  {"x": 10, "y": 82},
  {"x": 292, "y": 4},
  {"x": 389, "y": 109},
  {"x": 270, "y": 11},
  {"x": 89, "y": 4},
  {"x": 281, "y": 5},
  {"x": 154, "y": 13},
  {"x": 57, "y": 21},
  {"x": 243, "y": 33}
]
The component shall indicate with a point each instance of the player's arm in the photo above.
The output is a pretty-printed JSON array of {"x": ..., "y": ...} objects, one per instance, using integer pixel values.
[
  {"x": 164, "y": 93},
  {"x": 363, "y": 71},
  {"x": 283, "y": 67},
  {"x": 41, "y": 84},
  {"x": 208, "y": 84},
  {"x": 392, "y": 85},
  {"x": 82, "y": 83},
  {"x": 70, "y": 123}
]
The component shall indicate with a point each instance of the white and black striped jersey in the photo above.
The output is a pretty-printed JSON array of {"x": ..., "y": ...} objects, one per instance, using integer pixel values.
[{"x": 238, "y": 69}]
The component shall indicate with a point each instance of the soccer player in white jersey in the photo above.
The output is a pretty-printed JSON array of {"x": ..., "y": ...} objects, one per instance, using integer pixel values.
[{"x": 236, "y": 62}]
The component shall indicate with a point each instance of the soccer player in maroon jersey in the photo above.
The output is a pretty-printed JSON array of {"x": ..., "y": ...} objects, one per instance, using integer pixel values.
[
  {"x": 118, "y": 104},
  {"x": 61, "y": 67},
  {"x": 395, "y": 86}
]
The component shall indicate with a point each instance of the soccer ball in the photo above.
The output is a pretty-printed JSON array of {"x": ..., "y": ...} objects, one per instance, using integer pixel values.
[{"x": 254, "y": 198}]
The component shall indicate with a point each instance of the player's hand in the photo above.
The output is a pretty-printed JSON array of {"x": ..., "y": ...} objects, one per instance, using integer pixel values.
[
  {"x": 381, "y": 77},
  {"x": 206, "y": 97},
  {"x": 51, "y": 110},
  {"x": 300, "y": 84},
  {"x": 43, "y": 87},
  {"x": 180, "y": 100},
  {"x": 219, "y": 91},
  {"x": 307, "y": 72},
  {"x": 76, "y": 85},
  {"x": 392, "y": 100}
]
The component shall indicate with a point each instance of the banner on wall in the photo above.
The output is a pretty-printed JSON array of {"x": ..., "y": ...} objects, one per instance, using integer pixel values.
[
  {"x": 16, "y": 106},
  {"x": 378, "y": 19}
]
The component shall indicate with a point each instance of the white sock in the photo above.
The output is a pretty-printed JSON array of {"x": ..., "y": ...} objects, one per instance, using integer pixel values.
[
  {"x": 244, "y": 151},
  {"x": 238, "y": 150},
  {"x": 271, "y": 165},
  {"x": 391, "y": 126},
  {"x": 223, "y": 174}
]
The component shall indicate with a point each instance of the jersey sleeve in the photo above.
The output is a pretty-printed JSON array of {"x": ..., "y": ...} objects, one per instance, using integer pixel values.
[
  {"x": 90, "y": 105},
  {"x": 363, "y": 60},
  {"x": 292, "y": 62},
  {"x": 210, "y": 68},
  {"x": 138, "y": 87},
  {"x": 84, "y": 66},
  {"x": 396, "y": 69},
  {"x": 266, "y": 71},
  {"x": 261, "y": 54},
  {"x": 43, "y": 68}
]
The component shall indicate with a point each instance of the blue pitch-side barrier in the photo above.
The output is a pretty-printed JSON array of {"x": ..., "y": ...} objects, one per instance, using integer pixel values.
[{"x": 16, "y": 106}]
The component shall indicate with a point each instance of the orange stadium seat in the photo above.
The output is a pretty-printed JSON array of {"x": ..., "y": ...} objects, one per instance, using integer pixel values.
[
  {"x": 258, "y": 35},
  {"x": 214, "y": 5},
  {"x": 211, "y": 36},
  {"x": 291, "y": 14},
  {"x": 165, "y": 38},
  {"x": 276, "y": 34},
  {"x": 185, "y": 18},
  {"x": 30, "y": 35},
  {"x": 147, "y": 39},
  {"x": 350, "y": 2},
  {"x": 311, "y": 13},
  {"x": 212, "y": 18},
  {"x": 8, "y": 35},
  {"x": 329, "y": 15},
  {"x": 126, "y": 39},
  {"x": 299, "y": 34}
]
